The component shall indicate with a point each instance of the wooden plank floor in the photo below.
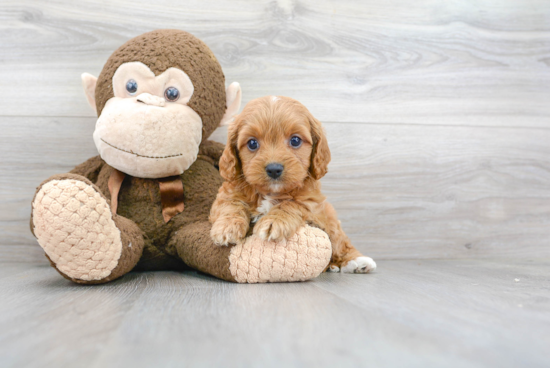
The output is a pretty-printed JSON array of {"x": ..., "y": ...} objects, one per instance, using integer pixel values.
[{"x": 429, "y": 313}]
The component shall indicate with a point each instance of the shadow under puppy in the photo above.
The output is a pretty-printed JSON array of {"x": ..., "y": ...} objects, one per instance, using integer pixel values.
[{"x": 276, "y": 153}]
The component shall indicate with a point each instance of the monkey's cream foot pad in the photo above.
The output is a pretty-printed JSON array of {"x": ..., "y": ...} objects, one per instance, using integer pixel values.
[
  {"x": 73, "y": 224},
  {"x": 302, "y": 257}
]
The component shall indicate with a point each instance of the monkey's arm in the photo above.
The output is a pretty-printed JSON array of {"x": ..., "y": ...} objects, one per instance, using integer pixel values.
[
  {"x": 89, "y": 169},
  {"x": 229, "y": 215}
]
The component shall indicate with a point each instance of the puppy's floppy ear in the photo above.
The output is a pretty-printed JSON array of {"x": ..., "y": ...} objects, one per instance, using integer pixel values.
[
  {"x": 320, "y": 154},
  {"x": 230, "y": 164}
]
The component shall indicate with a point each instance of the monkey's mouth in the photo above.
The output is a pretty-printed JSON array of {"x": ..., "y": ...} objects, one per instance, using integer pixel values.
[{"x": 137, "y": 154}]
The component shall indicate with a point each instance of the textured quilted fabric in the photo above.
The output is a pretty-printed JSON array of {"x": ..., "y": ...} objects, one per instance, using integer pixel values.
[
  {"x": 74, "y": 226},
  {"x": 302, "y": 257}
]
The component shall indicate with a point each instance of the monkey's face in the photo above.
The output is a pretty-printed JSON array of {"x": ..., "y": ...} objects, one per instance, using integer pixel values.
[{"x": 147, "y": 130}]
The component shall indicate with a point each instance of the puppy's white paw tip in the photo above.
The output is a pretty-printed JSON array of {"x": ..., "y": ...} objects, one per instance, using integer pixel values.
[
  {"x": 333, "y": 268},
  {"x": 359, "y": 265}
]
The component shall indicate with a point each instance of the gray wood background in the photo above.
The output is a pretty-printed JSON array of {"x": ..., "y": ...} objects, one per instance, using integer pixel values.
[
  {"x": 438, "y": 117},
  {"x": 437, "y": 112}
]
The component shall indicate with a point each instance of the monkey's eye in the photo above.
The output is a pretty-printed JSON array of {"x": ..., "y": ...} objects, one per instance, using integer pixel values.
[
  {"x": 295, "y": 141},
  {"x": 253, "y": 145},
  {"x": 131, "y": 86},
  {"x": 172, "y": 94}
]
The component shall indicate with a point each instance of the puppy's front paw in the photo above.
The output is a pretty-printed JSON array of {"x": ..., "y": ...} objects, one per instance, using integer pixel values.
[
  {"x": 359, "y": 265},
  {"x": 274, "y": 229},
  {"x": 227, "y": 231}
]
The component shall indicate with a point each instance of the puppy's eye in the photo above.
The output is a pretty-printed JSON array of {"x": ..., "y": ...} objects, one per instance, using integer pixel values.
[
  {"x": 131, "y": 86},
  {"x": 295, "y": 141},
  {"x": 172, "y": 94},
  {"x": 253, "y": 145}
]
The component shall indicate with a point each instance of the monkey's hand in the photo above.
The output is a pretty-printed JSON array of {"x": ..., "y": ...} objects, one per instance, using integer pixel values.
[{"x": 229, "y": 230}]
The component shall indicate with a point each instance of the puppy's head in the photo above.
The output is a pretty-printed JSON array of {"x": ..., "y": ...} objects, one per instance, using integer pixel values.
[{"x": 274, "y": 144}]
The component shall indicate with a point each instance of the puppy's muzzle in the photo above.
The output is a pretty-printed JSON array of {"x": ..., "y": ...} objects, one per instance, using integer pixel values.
[{"x": 274, "y": 171}]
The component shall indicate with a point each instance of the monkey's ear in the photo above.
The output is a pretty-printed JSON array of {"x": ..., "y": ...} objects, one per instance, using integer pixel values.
[
  {"x": 89, "y": 82},
  {"x": 233, "y": 102}
]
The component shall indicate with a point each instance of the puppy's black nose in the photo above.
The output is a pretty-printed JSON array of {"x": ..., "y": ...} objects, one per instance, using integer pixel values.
[{"x": 274, "y": 170}]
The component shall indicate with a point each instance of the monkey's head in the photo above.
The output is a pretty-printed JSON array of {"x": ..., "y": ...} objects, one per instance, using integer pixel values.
[{"x": 157, "y": 98}]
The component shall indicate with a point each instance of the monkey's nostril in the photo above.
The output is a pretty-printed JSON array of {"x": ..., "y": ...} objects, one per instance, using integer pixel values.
[{"x": 274, "y": 171}]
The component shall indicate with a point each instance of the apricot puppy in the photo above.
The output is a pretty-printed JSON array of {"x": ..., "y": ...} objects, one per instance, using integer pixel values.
[{"x": 276, "y": 153}]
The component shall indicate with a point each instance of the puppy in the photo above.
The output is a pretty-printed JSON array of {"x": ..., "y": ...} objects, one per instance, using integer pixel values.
[{"x": 276, "y": 153}]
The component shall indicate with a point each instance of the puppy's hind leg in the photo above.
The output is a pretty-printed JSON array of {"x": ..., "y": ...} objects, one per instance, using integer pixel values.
[
  {"x": 345, "y": 258},
  {"x": 359, "y": 265}
]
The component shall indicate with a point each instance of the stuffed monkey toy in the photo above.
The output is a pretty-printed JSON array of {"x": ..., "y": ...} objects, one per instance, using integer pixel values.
[{"x": 143, "y": 203}]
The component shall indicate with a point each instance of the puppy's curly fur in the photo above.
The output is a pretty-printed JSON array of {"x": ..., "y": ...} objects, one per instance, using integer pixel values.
[{"x": 277, "y": 207}]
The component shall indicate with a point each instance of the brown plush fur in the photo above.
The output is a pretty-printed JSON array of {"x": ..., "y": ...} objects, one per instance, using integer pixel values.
[
  {"x": 139, "y": 201},
  {"x": 184, "y": 239},
  {"x": 295, "y": 197},
  {"x": 158, "y": 245}
]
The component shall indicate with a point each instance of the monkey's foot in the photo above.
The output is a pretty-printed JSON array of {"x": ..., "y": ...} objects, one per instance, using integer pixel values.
[
  {"x": 73, "y": 224},
  {"x": 302, "y": 257}
]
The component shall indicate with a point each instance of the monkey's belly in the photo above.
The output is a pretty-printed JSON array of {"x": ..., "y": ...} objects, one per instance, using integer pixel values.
[
  {"x": 142, "y": 206},
  {"x": 139, "y": 200}
]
